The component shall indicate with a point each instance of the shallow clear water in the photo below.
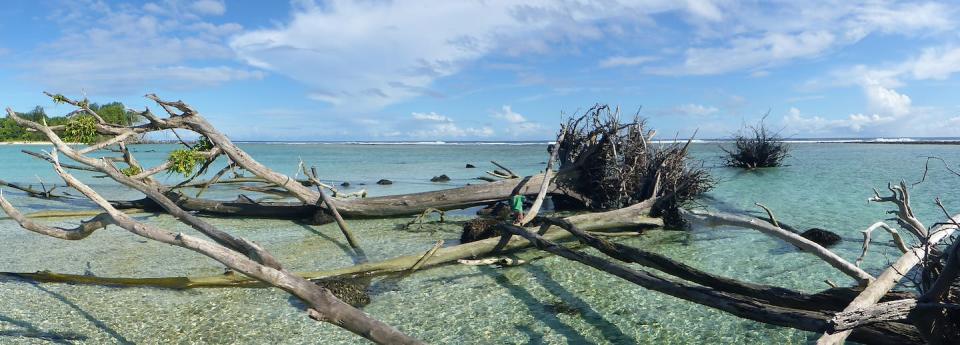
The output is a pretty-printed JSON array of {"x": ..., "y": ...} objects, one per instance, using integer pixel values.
[{"x": 824, "y": 185}]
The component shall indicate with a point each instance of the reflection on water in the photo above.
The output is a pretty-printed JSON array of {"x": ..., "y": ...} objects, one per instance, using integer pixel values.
[{"x": 549, "y": 301}]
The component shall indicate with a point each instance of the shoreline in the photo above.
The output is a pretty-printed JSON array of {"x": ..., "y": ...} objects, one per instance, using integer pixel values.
[
  {"x": 31, "y": 143},
  {"x": 700, "y": 141},
  {"x": 908, "y": 142},
  {"x": 26, "y": 143}
]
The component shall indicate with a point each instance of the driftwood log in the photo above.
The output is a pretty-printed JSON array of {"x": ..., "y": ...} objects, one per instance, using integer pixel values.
[
  {"x": 632, "y": 169},
  {"x": 629, "y": 218},
  {"x": 604, "y": 164},
  {"x": 760, "y": 303},
  {"x": 238, "y": 254}
]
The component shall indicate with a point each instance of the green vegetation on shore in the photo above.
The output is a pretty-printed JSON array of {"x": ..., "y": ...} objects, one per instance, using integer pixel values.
[{"x": 113, "y": 112}]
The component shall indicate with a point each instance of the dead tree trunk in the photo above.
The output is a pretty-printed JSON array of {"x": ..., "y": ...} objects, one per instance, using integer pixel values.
[
  {"x": 744, "y": 306},
  {"x": 373, "y": 207},
  {"x": 238, "y": 254},
  {"x": 596, "y": 147}
]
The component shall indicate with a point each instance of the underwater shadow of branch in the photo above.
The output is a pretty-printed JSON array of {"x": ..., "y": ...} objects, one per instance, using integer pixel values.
[
  {"x": 541, "y": 311},
  {"x": 96, "y": 322},
  {"x": 28, "y": 330}
]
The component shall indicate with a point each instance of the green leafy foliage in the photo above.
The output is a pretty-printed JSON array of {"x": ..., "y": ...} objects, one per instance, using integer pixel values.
[
  {"x": 184, "y": 161},
  {"x": 131, "y": 170},
  {"x": 114, "y": 113},
  {"x": 81, "y": 129},
  {"x": 203, "y": 144},
  {"x": 59, "y": 99}
]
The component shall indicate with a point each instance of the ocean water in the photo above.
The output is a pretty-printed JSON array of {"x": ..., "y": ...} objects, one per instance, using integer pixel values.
[{"x": 548, "y": 301}]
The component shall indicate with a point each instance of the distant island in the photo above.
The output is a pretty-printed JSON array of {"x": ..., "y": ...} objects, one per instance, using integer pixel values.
[{"x": 113, "y": 112}]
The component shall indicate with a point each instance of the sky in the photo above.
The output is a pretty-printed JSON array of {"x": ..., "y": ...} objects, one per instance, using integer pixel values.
[{"x": 496, "y": 70}]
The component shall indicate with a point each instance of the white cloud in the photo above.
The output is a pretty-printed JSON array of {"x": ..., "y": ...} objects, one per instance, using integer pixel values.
[
  {"x": 692, "y": 110},
  {"x": 706, "y": 9},
  {"x": 431, "y": 116},
  {"x": 879, "y": 83},
  {"x": 376, "y": 53},
  {"x": 762, "y": 37},
  {"x": 506, "y": 113},
  {"x": 517, "y": 124},
  {"x": 433, "y": 126},
  {"x": 362, "y": 51},
  {"x": 209, "y": 7},
  {"x": 324, "y": 97},
  {"x": 886, "y": 100},
  {"x": 768, "y": 50},
  {"x": 817, "y": 125},
  {"x": 935, "y": 63},
  {"x": 124, "y": 49},
  {"x": 625, "y": 61}
]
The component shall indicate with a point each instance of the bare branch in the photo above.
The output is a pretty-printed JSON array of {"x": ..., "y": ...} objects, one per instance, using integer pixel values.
[
  {"x": 717, "y": 218},
  {"x": 545, "y": 185},
  {"x": 80, "y": 232},
  {"x": 866, "y": 239}
]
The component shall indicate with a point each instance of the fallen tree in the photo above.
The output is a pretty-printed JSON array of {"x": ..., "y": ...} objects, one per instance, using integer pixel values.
[
  {"x": 934, "y": 265},
  {"x": 604, "y": 164},
  {"x": 756, "y": 302},
  {"x": 238, "y": 254},
  {"x": 634, "y": 217}
]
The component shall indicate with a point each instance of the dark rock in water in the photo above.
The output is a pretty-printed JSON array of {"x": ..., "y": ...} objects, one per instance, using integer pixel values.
[
  {"x": 345, "y": 184},
  {"x": 441, "y": 178},
  {"x": 470, "y": 166},
  {"x": 498, "y": 210},
  {"x": 561, "y": 308},
  {"x": 346, "y": 290},
  {"x": 478, "y": 229},
  {"x": 822, "y": 237},
  {"x": 384, "y": 182}
]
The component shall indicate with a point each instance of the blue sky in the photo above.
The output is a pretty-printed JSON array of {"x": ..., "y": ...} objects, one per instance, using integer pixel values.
[{"x": 496, "y": 70}]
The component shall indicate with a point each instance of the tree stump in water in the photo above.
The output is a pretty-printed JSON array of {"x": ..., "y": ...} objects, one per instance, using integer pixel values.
[{"x": 478, "y": 229}]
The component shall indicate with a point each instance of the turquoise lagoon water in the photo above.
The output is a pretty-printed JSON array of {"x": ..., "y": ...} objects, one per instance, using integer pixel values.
[{"x": 823, "y": 185}]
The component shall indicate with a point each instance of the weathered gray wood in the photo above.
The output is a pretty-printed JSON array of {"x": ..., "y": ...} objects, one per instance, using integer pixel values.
[
  {"x": 742, "y": 306},
  {"x": 899, "y": 310},
  {"x": 718, "y": 218},
  {"x": 545, "y": 184},
  {"x": 888, "y": 280},
  {"x": 325, "y": 306}
]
